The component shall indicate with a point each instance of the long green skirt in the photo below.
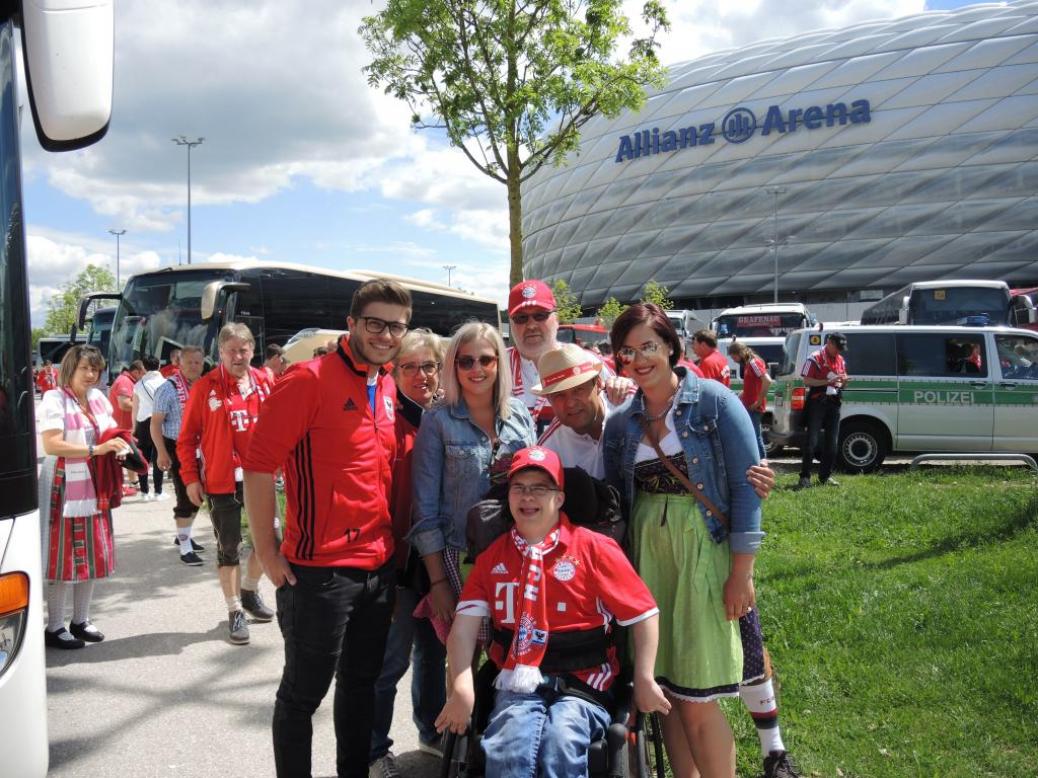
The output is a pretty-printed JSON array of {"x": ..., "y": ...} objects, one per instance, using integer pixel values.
[{"x": 700, "y": 652}]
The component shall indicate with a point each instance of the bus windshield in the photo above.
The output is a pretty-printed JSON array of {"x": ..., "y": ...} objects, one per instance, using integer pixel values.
[
  {"x": 759, "y": 325},
  {"x": 160, "y": 312},
  {"x": 959, "y": 305}
]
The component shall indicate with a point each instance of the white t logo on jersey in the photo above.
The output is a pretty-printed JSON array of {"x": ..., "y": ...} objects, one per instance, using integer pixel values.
[
  {"x": 506, "y": 602},
  {"x": 239, "y": 420}
]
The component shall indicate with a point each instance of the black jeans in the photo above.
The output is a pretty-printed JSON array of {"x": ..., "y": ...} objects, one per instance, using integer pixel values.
[
  {"x": 334, "y": 622},
  {"x": 142, "y": 431},
  {"x": 823, "y": 418},
  {"x": 184, "y": 509},
  {"x": 225, "y": 513}
]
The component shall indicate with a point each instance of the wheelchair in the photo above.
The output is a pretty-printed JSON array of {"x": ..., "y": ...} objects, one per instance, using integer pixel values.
[{"x": 629, "y": 749}]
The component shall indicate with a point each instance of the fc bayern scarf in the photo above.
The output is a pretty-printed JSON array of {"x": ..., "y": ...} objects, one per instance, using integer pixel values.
[
  {"x": 182, "y": 386},
  {"x": 522, "y": 669}
]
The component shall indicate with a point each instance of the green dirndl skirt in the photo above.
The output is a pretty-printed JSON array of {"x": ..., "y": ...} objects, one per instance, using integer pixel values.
[{"x": 700, "y": 651}]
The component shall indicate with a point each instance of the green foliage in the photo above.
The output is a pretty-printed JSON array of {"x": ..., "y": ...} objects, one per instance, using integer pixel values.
[
  {"x": 566, "y": 303},
  {"x": 656, "y": 293},
  {"x": 63, "y": 307},
  {"x": 512, "y": 84},
  {"x": 37, "y": 333},
  {"x": 610, "y": 309}
]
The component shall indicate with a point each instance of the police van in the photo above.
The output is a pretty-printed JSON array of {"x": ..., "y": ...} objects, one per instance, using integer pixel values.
[{"x": 919, "y": 389}]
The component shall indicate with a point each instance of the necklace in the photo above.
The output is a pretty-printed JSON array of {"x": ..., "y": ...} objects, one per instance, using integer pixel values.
[{"x": 662, "y": 414}]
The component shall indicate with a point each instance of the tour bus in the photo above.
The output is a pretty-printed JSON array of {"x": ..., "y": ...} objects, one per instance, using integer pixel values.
[
  {"x": 771, "y": 320},
  {"x": 1027, "y": 297},
  {"x": 587, "y": 334},
  {"x": 920, "y": 389},
  {"x": 177, "y": 306},
  {"x": 53, "y": 348},
  {"x": 971, "y": 303},
  {"x": 67, "y": 52}
]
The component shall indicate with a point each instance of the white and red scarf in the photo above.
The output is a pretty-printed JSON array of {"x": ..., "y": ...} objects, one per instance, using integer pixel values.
[
  {"x": 182, "y": 386},
  {"x": 80, "y": 494},
  {"x": 522, "y": 669}
]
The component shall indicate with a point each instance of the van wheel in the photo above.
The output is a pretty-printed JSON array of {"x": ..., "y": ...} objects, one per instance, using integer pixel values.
[
  {"x": 771, "y": 450},
  {"x": 863, "y": 447}
]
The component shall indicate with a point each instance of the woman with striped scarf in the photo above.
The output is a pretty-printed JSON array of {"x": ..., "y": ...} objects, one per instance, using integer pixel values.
[{"x": 78, "y": 543}]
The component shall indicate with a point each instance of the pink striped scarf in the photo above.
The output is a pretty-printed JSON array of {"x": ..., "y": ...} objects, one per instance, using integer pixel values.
[{"x": 80, "y": 496}]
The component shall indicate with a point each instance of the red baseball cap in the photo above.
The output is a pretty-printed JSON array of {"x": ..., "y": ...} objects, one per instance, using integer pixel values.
[
  {"x": 542, "y": 458},
  {"x": 530, "y": 294}
]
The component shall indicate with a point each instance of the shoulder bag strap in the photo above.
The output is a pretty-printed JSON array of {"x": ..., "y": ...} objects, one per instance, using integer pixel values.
[{"x": 682, "y": 478}]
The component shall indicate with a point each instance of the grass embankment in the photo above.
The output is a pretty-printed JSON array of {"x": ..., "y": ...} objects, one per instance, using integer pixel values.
[{"x": 900, "y": 611}]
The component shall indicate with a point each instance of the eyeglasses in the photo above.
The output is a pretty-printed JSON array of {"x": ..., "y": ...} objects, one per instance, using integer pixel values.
[
  {"x": 467, "y": 362},
  {"x": 377, "y": 326},
  {"x": 647, "y": 349},
  {"x": 524, "y": 318},
  {"x": 521, "y": 490},
  {"x": 429, "y": 368}
]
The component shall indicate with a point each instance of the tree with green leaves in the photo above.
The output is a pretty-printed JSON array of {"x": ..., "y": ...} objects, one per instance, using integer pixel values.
[
  {"x": 566, "y": 303},
  {"x": 609, "y": 311},
  {"x": 511, "y": 82},
  {"x": 63, "y": 307},
  {"x": 656, "y": 293}
]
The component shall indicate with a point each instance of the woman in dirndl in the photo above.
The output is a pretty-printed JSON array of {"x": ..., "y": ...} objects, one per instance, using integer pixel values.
[
  {"x": 78, "y": 543},
  {"x": 699, "y": 568}
]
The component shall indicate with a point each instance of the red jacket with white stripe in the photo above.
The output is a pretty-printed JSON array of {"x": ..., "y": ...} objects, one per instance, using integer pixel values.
[{"x": 338, "y": 455}]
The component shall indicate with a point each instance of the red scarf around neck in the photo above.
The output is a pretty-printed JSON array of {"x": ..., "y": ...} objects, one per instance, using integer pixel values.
[{"x": 521, "y": 672}]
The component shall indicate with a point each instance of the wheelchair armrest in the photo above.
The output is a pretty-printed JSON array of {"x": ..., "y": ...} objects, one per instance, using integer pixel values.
[{"x": 616, "y": 744}]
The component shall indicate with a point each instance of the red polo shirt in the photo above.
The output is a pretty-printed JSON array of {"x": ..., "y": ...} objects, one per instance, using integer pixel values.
[{"x": 715, "y": 366}]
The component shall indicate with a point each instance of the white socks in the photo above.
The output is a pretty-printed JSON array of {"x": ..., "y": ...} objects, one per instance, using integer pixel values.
[
  {"x": 57, "y": 596},
  {"x": 82, "y": 593},
  {"x": 759, "y": 699},
  {"x": 249, "y": 584},
  {"x": 233, "y": 603}
]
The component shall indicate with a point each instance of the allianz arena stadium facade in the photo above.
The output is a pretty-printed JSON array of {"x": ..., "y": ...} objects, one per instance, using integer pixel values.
[{"x": 876, "y": 155}]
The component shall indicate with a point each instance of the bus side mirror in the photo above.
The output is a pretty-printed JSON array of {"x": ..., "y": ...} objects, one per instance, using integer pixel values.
[
  {"x": 84, "y": 305},
  {"x": 902, "y": 316},
  {"x": 212, "y": 292}
]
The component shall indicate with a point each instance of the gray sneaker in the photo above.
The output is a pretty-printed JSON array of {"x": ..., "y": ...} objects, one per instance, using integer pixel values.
[
  {"x": 384, "y": 767},
  {"x": 803, "y": 483},
  {"x": 254, "y": 606},
  {"x": 238, "y": 627}
]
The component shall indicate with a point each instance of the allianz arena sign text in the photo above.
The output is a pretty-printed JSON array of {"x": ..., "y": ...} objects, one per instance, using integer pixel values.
[{"x": 739, "y": 125}]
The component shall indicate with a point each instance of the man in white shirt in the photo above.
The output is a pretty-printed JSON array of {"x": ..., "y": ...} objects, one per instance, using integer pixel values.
[{"x": 141, "y": 404}]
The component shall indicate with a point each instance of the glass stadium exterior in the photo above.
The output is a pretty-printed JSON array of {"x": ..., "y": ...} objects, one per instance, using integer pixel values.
[{"x": 865, "y": 158}]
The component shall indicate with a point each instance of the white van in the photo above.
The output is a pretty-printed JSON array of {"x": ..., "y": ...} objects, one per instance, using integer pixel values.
[{"x": 920, "y": 389}]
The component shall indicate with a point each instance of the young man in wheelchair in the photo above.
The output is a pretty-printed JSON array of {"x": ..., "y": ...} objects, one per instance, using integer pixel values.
[{"x": 551, "y": 591}]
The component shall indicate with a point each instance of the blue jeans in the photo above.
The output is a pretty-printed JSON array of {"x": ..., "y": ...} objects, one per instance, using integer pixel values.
[
  {"x": 428, "y": 684},
  {"x": 755, "y": 417},
  {"x": 529, "y": 736}
]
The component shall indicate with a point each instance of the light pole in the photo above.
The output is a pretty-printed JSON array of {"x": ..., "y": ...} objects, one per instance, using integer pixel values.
[
  {"x": 118, "y": 234},
  {"x": 183, "y": 141},
  {"x": 449, "y": 268},
  {"x": 775, "y": 191}
]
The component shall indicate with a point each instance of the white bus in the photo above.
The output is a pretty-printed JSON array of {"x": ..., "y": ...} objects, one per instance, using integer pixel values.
[
  {"x": 68, "y": 62},
  {"x": 771, "y": 320},
  {"x": 177, "y": 306},
  {"x": 970, "y": 303}
]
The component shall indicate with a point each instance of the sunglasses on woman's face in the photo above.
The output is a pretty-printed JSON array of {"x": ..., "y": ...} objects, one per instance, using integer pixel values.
[
  {"x": 467, "y": 362},
  {"x": 646, "y": 349}
]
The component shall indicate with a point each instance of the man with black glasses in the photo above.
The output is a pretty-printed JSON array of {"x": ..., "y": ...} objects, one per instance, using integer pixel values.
[{"x": 330, "y": 423}]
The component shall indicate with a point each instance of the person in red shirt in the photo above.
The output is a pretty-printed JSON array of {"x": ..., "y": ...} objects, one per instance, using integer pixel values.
[
  {"x": 219, "y": 419},
  {"x": 174, "y": 363},
  {"x": 552, "y": 591},
  {"x": 825, "y": 376},
  {"x": 711, "y": 361},
  {"x": 755, "y": 384},
  {"x": 330, "y": 423},
  {"x": 120, "y": 395},
  {"x": 47, "y": 378}
]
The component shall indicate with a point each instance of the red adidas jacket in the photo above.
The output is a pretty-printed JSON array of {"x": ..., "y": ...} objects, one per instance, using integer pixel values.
[
  {"x": 338, "y": 456},
  {"x": 206, "y": 425}
]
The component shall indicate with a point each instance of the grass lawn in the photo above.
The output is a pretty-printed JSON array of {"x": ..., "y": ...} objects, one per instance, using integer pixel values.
[{"x": 900, "y": 611}]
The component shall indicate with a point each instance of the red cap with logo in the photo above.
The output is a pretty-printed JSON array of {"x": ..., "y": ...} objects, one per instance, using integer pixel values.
[
  {"x": 530, "y": 294},
  {"x": 542, "y": 458}
]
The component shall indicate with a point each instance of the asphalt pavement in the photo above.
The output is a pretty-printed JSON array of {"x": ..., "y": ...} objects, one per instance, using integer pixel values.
[{"x": 166, "y": 693}]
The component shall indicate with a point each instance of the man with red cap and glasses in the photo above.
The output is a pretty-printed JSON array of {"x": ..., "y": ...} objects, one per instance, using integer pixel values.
[{"x": 552, "y": 591}]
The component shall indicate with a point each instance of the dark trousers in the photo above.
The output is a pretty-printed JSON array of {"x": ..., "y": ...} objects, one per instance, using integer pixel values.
[
  {"x": 225, "y": 513},
  {"x": 334, "y": 622},
  {"x": 184, "y": 509},
  {"x": 142, "y": 431},
  {"x": 823, "y": 420}
]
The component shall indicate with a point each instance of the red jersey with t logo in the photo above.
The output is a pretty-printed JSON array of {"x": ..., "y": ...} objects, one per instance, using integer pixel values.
[
  {"x": 589, "y": 582},
  {"x": 819, "y": 365},
  {"x": 715, "y": 366},
  {"x": 752, "y": 374}
]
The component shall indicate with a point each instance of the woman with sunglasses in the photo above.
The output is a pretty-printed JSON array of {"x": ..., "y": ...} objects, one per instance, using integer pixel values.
[
  {"x": 681, "y": 432},
  {"x": 463, "y": 445},
  {"x": 416, "y": 373}
]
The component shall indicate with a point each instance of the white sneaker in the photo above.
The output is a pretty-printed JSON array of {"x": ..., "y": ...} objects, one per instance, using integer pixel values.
[
  {"x": 148, "y": 497},
  {"x": 161, "y": 497}
]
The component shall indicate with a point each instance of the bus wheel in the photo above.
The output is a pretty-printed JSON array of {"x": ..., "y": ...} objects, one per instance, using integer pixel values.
[
  {"x": 770, "y": 449},
  {"x": 863, "y": 446}
]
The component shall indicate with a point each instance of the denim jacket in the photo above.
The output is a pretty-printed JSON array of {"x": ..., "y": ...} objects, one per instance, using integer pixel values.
[
  {"x": 451, "y": 469},
  {"x": 720, "y": 445}
]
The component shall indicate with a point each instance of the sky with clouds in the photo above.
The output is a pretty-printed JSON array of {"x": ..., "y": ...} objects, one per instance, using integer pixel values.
[{"x": 302, "y": 161}]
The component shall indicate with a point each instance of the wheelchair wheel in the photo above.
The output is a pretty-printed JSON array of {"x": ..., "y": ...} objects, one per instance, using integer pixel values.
[
  {"x": 650, "y": 761},
  {"x": 455, "y": 756}
]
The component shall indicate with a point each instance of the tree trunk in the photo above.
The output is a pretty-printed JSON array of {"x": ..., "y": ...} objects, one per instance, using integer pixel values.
[{"x": 515, "y": 218}]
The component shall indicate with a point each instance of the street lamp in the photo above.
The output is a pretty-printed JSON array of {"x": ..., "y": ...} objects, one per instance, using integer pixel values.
[
  {"x": 118, "y": 234},
  {"x": 774, "y": 242},
  {"x": 183, "y": 141},
  {"x": 449, "y": 268}
]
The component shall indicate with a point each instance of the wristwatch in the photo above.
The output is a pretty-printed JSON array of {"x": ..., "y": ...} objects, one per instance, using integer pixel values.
[{"x": 90, "y": 450}]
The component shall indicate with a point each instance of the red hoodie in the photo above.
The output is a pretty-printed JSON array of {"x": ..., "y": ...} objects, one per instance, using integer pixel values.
[
  {"x": 337, "y": 453},
  {"x": 219, "y": 420}
]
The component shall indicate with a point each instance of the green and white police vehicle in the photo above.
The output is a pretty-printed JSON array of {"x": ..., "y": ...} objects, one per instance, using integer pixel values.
[{"x": 919, "y": 389}]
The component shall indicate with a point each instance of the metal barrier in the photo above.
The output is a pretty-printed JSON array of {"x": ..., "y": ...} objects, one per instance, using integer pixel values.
[{"x": 1020, "y": 459}]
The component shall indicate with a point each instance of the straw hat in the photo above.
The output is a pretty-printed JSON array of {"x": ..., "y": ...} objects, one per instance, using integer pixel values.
[{"x": 565, "y": 367}]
